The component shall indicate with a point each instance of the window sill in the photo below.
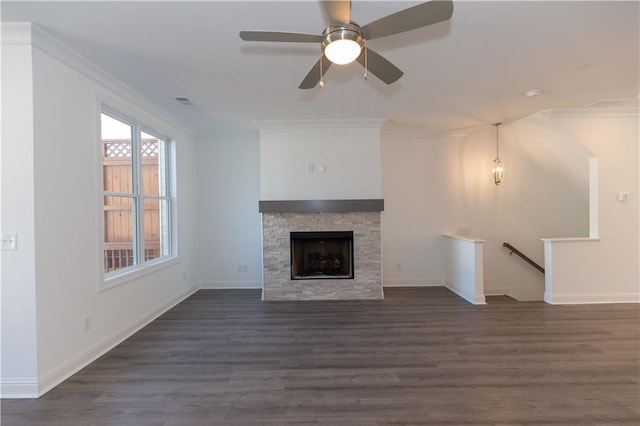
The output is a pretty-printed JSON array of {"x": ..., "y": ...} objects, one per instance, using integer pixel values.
[{"x": 131, "y": 274}]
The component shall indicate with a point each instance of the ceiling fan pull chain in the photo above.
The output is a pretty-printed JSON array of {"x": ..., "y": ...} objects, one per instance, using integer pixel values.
[
  {"x": 366, "y": 62},
  {"x": 321, "y": 83}
]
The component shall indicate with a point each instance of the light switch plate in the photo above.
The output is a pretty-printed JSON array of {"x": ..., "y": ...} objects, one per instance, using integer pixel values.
[{"x": 9, "y": 241}]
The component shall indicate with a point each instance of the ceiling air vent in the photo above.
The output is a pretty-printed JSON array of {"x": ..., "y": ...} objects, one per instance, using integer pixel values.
[{"x": 183, "y": 100}]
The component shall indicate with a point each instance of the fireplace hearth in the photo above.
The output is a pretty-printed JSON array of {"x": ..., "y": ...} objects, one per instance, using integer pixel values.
[{"x": 321, "y": 255}]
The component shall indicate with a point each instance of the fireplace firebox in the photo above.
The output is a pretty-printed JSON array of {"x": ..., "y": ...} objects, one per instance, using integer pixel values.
[{"x": 322, "y": 255}]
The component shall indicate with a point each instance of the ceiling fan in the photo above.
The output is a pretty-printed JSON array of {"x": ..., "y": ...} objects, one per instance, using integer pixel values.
[{"x": 343, "y": 41}]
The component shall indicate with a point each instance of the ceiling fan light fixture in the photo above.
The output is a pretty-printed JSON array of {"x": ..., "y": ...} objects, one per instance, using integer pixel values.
[
  {"x": 342, "y": 44},
  {"x": 342, "y": 52}
]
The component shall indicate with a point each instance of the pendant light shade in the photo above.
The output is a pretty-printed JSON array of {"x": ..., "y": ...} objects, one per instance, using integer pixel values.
[{"x": 497, "y": 170}]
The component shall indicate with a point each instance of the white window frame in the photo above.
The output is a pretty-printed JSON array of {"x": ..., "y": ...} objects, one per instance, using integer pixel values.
[{"x": 141, "y": 267}]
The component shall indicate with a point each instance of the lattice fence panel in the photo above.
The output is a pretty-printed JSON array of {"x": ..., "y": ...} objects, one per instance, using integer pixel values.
[{"x": 122, "y": 149}]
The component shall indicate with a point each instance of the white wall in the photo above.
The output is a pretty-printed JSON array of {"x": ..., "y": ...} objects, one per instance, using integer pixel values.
[
  {"x": 233, "y": 175},
  {"x": 430, "y": 186},
  {"x": 443, "y": 185},
  {"x": 320, "y": 160},
  {"x": 605, "y": 270},
  {"x": 464, "y": 272},
  {"x": 229, "y": 224},
  {"x": 414, "y": 172},
  {"x": 545, "y": 193},
  {"x": 66, "y": 220},
  {"x": 18, "y": 343}
]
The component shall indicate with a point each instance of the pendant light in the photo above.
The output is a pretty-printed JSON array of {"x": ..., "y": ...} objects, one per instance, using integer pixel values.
[{"x": 498, "y": 169}]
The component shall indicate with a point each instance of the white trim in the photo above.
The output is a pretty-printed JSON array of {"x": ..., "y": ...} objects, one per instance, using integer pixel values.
[
  {"x": 140, "y": 121},
  {"x": 36, "y": 387},
  {"x": 53, "y": 47},
  {"x": 16, "y": 33},
  {"x": 569, "y": 239},
  {"x": 458, "y": 237},
  {"x": 591, "y": 112},
  {"x": 498, "y": 291},
  {"x": 136, "y": 272},
  {"x": 18, "y": 388},
  {"x": 578, "y": 299},
  {"x": 594, "y": 204},
  {"x": 401, "y": 134},
  {"x": 230, "y": 285},
  {"x": 62, "y": 372},
  {"x": 320, "y": 124},
  {"x": 473, "y": 299},
  {"x": 128, "y": 111},
  {"x": 28, "y": 33},
  {"x": 412, "y": 282}
]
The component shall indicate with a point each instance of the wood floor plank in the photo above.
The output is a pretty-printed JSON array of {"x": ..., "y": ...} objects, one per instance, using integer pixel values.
[{"x": 421, "y": 356}]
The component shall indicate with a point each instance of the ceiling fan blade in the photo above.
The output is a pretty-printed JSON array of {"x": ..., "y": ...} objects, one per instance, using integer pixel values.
[
  {"x": 338, "y": 11},
  {"x": 379, "y": 66},
  {"x": 409, "y": 19},
  {"x": 280, "y": 36},
  {"x": 313, "y": 77}
]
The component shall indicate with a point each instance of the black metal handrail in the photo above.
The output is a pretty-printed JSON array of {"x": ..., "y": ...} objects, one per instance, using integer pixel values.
[{"x": 527, "y": 259}]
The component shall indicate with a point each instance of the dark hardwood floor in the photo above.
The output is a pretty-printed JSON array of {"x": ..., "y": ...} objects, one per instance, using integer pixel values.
[{"x": 420, "y": 357}]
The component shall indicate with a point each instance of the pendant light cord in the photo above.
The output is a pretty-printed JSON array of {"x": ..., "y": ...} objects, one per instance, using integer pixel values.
[{"x": 497, "y": 141}]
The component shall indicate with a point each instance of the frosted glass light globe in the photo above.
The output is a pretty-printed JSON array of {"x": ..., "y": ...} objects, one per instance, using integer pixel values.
[{"x": 342, "y": 52}]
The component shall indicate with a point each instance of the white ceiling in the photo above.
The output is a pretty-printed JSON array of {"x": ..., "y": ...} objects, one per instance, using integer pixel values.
[{"x": 461, "y": 74}]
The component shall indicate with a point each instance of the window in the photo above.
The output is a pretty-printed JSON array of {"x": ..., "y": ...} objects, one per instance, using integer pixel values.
[{"x": 136, "y": 193}]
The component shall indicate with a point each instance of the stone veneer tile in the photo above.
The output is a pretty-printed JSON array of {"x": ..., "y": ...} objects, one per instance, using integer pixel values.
[{"x": 367, "y": 251}]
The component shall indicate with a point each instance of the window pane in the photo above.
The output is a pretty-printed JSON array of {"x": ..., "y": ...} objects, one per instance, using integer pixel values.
[
  {"x": 152, "y": 153},
  {"x": 156, "y": 228},
  {"x": 137, "y": 201},
  {"x": 119, "y": 226},
  {"x": 116, "y": 155}
]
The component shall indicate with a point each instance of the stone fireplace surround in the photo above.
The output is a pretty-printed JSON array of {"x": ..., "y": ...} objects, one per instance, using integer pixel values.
[{"x": 279, "y": 218}]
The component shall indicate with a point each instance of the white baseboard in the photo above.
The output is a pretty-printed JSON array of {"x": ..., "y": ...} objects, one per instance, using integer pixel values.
[
  {"x": 497, "y": 291},
  {"x": 30, "y": 388},
  {"x": 229, "y": 285},
  {"x": 475, "y": 300},
  {"x": 412, "y": 283},
  {"x": 19, "y": 388},
  {"x": 576, "y": 299}
]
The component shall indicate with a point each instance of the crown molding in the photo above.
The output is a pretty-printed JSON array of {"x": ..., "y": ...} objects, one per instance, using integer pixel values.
[
  {"x": 28, "y": 33},
  {"x": 15, "y": 33},
  {"x": 320, "y": 124},
  {"x": 591, "y": 112}
]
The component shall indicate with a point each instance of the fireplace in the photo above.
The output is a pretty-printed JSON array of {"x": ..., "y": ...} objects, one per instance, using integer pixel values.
[
  {"x": 350, "y": 270},
  {"x": 321, "y": 255}
]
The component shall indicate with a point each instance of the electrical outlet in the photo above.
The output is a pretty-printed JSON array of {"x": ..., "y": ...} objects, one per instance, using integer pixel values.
[
  {"x": 86, "y": 323},
  {"x": 243, "y": 268}
]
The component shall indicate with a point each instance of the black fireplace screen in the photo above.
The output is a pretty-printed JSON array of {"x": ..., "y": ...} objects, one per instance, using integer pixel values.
[{"x": 321, "y": 255}]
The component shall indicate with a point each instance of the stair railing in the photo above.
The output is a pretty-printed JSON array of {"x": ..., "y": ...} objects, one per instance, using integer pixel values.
[{"x": 524, "y": 257}]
